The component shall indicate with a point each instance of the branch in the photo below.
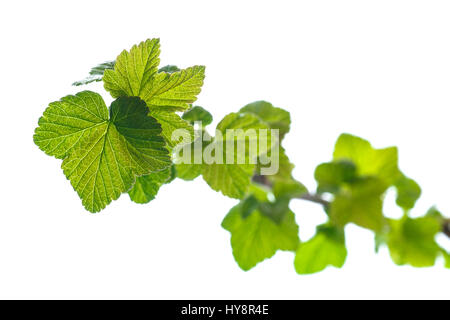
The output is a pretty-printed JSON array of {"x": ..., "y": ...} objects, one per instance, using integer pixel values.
[
  {"x": 446, "y": 227},
  {"x": 314, "y": 198}
]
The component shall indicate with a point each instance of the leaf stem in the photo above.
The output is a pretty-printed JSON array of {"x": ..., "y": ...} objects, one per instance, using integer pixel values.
[{"x": 314, "y": 198}]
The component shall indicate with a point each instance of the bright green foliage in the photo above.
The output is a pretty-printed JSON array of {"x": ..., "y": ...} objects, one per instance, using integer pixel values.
[
  {"x": 127, "y": 149},
  {"x": 133, "y": 70},
  {"x": 233, "y": 179},
  {"x": 358, "y": 177},
  {"x": 326, "y": 248},
  {"x": 146, "y": 187},
  {"x": 102, "y": 154},
  {"x": 257, "y": 237},
  {"x": 191, "y": 169},
  {"x": 198, "y": 114},
  {"x": 230, "y": 179},
  {"x": 276, "y": 118},
  {"x": 136, "y": 74},
  {"x": 96, "y": 73},
  {"x": 332, "y": 175},
  {"x": 446, "y": 259},
  {"x": 412, "y": 241},
  {"x": 408, "y": 192},
  {"x": 170, "y": 121},
  {"x": 360, "y": 203},
  {"x": 288, "y": 189},
  {"x": 380, "y": 163}
]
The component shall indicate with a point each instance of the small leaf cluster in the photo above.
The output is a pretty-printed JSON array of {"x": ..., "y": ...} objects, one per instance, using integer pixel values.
[{"x": 130, "y": 148}]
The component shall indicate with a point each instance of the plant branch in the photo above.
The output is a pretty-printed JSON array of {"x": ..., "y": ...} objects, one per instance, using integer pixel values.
[
  {"x": 314, "y": 198},
  {"x": 446, "y": 227}
]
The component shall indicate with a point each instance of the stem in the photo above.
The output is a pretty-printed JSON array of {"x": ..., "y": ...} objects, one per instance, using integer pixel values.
[
  {"x": 446, "y": 227},
  {"x": 314, "y": 198}
]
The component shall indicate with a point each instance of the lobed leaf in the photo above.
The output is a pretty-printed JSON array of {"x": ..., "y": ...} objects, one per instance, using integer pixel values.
[
  {"x": 102, "y": 155},
  {"x": 257, "y": 237},
  {"x": 326, "y": 248},
  {"x": 412, "y": 241},
  {"x": 146, "y": 187}
]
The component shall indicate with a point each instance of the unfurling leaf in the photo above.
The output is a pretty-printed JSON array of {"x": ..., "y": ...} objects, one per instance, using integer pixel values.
[{"x": 102, "y": 154}]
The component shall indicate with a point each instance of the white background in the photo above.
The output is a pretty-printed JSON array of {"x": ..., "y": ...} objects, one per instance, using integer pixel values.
[{"x": 377, "y": 69}]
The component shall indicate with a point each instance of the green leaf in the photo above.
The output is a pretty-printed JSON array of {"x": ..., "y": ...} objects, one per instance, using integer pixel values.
[
  {"x": 146, "y": 187},
  {"x": 435, "y": 213},
  {"x": 288, "y": 189},
  {"x": 276, "y": 118},
  {"x": 170, "y": 121},
  {"x": 133, "y": 70},
  {"x": 190, "y": 168},
  {"x": 102, "y": 155},
  {"x": 331, "y": 175},
  {"x": 360, "y": 203},
  {"x": 257, "y": 237},
  {"x": 412, "y": 241},
  {"x": 233, "y": 179},
  {"x": 446, "y": 259},
  {"x": 408, "y": 192},
  {"x": 380, "y": 163},
  {"x": 326, "y": 248},
  {"x": 277, "y": 158},
  {"x": 196, "y": 114},
  {"x": 96, "y": 73},
  {"x": 136, "y": 74}
]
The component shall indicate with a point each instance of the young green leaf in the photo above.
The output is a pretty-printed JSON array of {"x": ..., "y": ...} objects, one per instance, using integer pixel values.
[
  {"x": 170, "y": 121},
  {"x": 276, "y": 118},
  {"x": 408, "y": 192},
  {"x": 257, "y": 237},
  {"x": 331, "y": 175},
  {"x": 360, "y": 203},
  {"x": 136, "y": 74},
  {"x": 198, "y": 114},
  {"x": 446, "y": 259},
  {"x": 380, "y": 163},
  {"x": 233, "y": 179},
  {"x": 102, "y": 155},
  {"x": 146, "y": 187},
  {"x": 326, "y": 248},
  {"x": 412, "y": 241},
  {"x": 133, "y": 70}
]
